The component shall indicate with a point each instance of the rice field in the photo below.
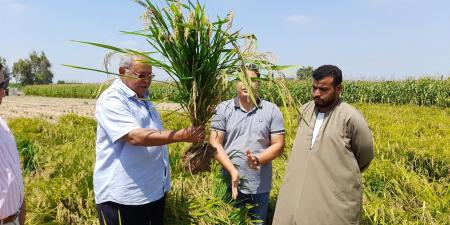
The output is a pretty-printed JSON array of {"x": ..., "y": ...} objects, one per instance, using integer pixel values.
[
  {"x": 425, "y": 91},
  {"x": 407, "y": 183}
]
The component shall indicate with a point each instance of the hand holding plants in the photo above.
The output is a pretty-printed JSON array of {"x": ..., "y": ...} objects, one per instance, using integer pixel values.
[{"x": 193, "y": 134}]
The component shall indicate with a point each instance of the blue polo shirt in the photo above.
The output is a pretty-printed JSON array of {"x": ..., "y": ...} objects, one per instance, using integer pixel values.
[{"x": 125, "y": 173}]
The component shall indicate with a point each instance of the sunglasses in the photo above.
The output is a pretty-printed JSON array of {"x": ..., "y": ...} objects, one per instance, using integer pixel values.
[{"x": 4, "y": 84}]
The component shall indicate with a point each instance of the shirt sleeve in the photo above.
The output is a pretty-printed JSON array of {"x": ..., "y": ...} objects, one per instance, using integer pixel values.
[
  {"x": 218, "y": 121},
  {"x": 277, "y": 122},
  {"x": 115, "y": 117},
  {"x": 361, "y": 140}
]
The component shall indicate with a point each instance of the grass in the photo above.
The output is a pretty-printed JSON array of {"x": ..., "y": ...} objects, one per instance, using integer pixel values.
[{"x": 407, "y": 183}]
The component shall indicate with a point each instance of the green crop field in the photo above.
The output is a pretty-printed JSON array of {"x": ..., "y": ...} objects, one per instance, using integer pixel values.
[
  {"x": 425, "y": 91},
  {"x": 160, "y": 91},
  {"x": 407, "y": 183}
]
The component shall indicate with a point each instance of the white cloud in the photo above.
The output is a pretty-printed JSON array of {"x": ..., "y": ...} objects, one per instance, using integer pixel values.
[
  {"x": 298, "y": 19},
  {"x": 13, "y": 6}
]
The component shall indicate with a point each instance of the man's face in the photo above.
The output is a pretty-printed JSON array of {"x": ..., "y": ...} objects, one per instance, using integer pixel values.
[
  {"x": 143, "y": 74},
  {"x": 242, "y": 90},
  {"x": 324, "y": 92},
  {"x": 2, "y": 91}
]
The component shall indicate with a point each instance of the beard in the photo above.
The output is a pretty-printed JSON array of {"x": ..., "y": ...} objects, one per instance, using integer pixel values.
[{"x": 324, "y": 103}]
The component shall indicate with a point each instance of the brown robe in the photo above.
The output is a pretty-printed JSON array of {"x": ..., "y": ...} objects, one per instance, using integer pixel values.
[{"x": 322, "y": 184}]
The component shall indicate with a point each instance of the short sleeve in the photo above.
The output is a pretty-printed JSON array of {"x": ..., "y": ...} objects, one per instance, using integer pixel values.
[
  {"x": 277, "y": 122},
  {"x": 218, "y": 121},
  {"x": 115, "y": 117}
]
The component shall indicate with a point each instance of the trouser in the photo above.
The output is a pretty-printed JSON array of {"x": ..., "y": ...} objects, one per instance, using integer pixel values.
[
  {"x": 111, "y": 213},
  {"x": 259, "y": 203}
]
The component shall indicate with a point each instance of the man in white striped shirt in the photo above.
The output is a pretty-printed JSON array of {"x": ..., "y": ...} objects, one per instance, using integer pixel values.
[{"x": 12, "y": 204}]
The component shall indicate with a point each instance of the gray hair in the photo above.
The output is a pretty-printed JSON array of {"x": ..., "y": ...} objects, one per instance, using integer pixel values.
[{"x": 127, "y": 60}]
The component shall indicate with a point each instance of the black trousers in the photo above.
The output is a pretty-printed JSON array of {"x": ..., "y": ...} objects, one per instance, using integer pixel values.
[{"x": 109, "y": 213}]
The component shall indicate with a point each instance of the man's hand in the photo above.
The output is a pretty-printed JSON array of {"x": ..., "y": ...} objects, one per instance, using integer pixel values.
[
  {"x": 234, "y": 183},
  {"x": 252, "y": 161},
  {"x": 193, "y": 134}
]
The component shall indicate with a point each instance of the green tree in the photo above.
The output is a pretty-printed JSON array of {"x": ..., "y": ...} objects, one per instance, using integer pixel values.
[
  {"x": 22, "y": 72},
  {"x": 35, "y": 70},
  {"x": 4, "y": 67},
  {"x": 304, "y": 73}
]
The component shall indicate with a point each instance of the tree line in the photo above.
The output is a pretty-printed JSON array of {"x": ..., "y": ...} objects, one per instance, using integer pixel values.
[{"x": 32, "y": 70}]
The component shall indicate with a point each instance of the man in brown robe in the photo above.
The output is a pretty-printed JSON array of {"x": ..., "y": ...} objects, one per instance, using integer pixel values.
[{"x": 322, "y": 184}]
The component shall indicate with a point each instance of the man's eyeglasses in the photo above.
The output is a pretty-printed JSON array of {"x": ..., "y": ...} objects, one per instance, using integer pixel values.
[
  {"x": 143, "y": 76},
  {"x": 4, "y": 84},
  {"x": 252, "y": 67}
]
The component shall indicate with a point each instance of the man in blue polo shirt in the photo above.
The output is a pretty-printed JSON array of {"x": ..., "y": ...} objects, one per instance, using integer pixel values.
[
  {"x": 248, "y": 137},
  {"x": 132, "y": 171}
]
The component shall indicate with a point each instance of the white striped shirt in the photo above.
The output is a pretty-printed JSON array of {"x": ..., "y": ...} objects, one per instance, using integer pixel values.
[{"x": 11, "y": 183}]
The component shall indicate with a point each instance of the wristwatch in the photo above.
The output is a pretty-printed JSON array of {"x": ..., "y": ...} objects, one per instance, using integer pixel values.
[{"x": 257, "y": 160}]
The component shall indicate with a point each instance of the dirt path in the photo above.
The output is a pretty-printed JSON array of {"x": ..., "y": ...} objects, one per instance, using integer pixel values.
[{"x": 53, "y": 108}]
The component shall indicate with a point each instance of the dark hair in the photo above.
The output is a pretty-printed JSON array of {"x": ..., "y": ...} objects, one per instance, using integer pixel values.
[
  {"x": 254, "y": 68},
  {"x": 328, "y": 70}
]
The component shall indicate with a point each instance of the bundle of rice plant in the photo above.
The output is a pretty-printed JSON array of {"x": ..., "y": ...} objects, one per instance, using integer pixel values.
[{"x": 201, "y": 56}]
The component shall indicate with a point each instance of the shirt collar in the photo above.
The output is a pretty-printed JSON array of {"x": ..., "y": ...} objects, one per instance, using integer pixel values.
[
  {"x": 130, "y": 93},
  {"x": 238, "y": 105}
]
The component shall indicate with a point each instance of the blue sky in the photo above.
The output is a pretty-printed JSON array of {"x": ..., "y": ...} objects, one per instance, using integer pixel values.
[{"x": 367, "y": 39}]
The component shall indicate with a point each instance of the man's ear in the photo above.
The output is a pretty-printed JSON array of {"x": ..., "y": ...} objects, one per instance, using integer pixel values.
[
  {"x": 339, "y": 88},
  {"x": 122, "y": 70}
]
